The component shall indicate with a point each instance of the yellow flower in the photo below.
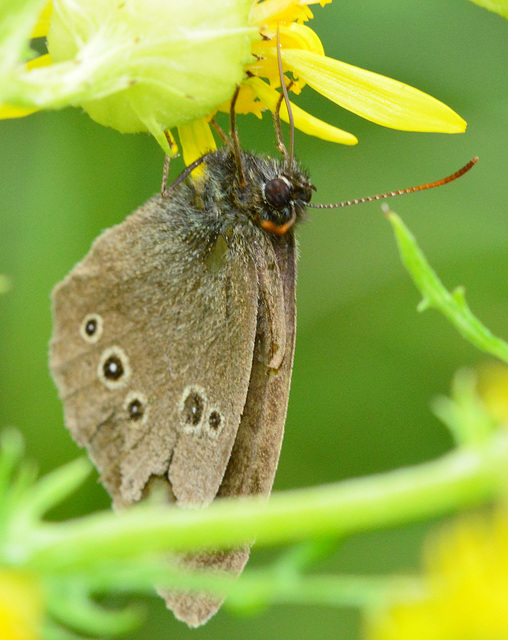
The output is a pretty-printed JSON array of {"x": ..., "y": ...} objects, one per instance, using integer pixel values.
[
  {"x": 465, "y": 587},
  {"x": 159, "y": 64},
  {"x": 21, "y": 606},
  {"x": 493, "y": 390}
]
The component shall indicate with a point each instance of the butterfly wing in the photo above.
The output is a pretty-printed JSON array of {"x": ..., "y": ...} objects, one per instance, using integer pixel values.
[
  {"x": 152, "y": 351},
  {"x": 172, "y": 351},
  {"x": 255, "y": 456},
  {"x": 253, "y": 462}
]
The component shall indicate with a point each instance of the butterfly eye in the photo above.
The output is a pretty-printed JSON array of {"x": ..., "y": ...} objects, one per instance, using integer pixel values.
[
  {"x": 91, "y": 328},
  {"x": 277, "y": 192},
  {"x": 113, "y": 369}
]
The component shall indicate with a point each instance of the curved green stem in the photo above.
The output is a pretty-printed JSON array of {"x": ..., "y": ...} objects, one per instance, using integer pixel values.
[{"x": 462, "y": 478}]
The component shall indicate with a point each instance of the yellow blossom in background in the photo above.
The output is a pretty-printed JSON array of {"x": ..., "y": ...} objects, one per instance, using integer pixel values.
[
  {"x": 155, "y": 65},
  {"x": 465, "y": 589},
  {"x": 493, "y": 390},
  {"x": 21, "y": 606}
]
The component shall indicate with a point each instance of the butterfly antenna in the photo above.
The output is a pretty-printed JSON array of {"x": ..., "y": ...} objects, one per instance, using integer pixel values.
[
  {"x": 278, "y": 129},
  {"x": 220, "y": 132},
  {"x": 185, "y": 174},
  {"x": 165, "y": 171},
  {"x": 236, "y": 142},
  {"x": 165, "y": 174},
  {"x": 288, "y": 106},
  {"x": 400, "y": 192}
]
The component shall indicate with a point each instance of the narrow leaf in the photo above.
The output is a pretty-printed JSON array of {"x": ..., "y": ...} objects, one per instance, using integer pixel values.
[{"x": 451, "y": 305}]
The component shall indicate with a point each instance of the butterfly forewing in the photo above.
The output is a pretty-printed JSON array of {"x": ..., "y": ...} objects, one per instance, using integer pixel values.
[{"x": 181, "y": 331}]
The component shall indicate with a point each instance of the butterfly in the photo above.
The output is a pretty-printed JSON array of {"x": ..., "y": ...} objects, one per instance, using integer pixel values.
[{"x": 173, "y": 340}]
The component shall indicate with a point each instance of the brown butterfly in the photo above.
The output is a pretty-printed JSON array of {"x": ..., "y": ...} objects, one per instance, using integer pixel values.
[{"x": 173, "y": 340}]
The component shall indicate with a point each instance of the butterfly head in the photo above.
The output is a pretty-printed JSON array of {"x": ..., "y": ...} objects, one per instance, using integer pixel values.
[
  {"x": 284, "y": 200},
  {"x": 273, "y": 195}
]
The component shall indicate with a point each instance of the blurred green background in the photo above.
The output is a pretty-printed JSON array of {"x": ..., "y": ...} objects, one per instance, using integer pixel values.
[{"x": 367, "y": 365}]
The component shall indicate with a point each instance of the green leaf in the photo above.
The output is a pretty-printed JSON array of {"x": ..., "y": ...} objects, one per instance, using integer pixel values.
[
  {"x": 464, "y": 413},
  {"x": 12, "y": 448},
  {"x": 452, "y": 305},
  {"x": 54, "y": 487},
  {"x": 499, "y": 6},
  {"x": 17, "y": 20}
]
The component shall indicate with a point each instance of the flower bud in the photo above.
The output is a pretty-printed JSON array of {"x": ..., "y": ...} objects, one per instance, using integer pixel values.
[{"x": 175, "y": 60}]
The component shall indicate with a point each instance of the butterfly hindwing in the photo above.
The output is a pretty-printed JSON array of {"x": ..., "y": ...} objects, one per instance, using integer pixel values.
[{"x": 253, "y": 462}]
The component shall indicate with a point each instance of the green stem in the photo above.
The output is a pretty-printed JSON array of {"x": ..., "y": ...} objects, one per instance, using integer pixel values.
[
  {"x": 269, "y": 585},
  {"x": 73, "y": 608},
  {"x": 462, "y": 478},
  {"x": 334, "y": 591}
]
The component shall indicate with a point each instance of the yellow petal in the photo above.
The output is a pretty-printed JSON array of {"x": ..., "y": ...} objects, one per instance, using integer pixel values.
[
  {"x": 273, "y": 11},
  {"x": 372, "y": 96},
  {"x": 303, "y": 120},
  {"x": 196, "y": 139},
  {"x": 292, "y": 36},
  {"x": 8, "y": 111},
  {"x": 246, "y": 102},
  {"x": 41, "y": 61},
  {"x": 298, "y": 36},
  {"x": 42, "y": 26}
]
